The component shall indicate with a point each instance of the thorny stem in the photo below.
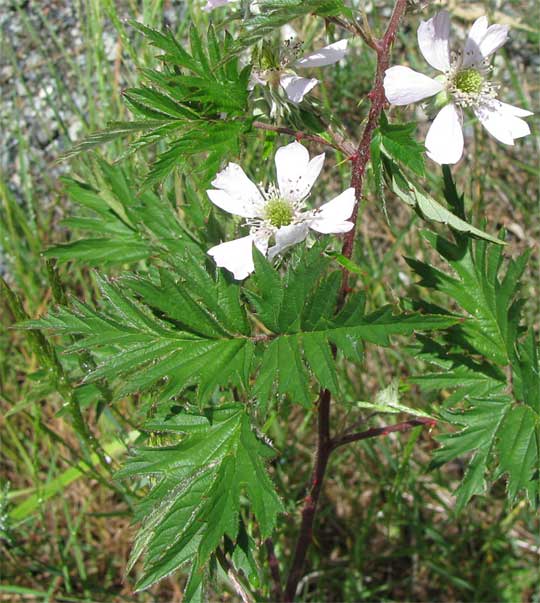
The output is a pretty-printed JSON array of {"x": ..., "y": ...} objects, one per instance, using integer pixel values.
[
  {"x": 325, "y": 444},
  {"x": 378, "y": 99},
  {"x": 337, "y": 141}
]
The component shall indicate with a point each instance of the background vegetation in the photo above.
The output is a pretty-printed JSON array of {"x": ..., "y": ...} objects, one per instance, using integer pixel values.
[{"x": 387, "y": 528}]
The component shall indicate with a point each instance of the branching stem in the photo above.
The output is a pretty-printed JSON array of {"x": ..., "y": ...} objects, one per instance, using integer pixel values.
[
  {"x": 325, "y": 444},
  {"x": 381, "y": 431},
  {"x": 337, "y": 141},
  {"x": 362, "y": 155}
]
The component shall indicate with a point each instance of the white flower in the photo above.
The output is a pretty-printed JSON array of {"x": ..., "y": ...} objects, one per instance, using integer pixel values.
[
  {"x": 464, "y": 84},
  {"x": 279, "y": 213},
  {"x": 211, "y": 4},
  {"x": 280, "y": 70}
]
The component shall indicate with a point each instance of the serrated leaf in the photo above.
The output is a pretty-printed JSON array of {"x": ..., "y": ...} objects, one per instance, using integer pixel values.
[
  {"x": 517, "y": 446},
  {"x": 387, "y": 401},
  {"x": 302, "y": 333},
  {"x": 195, "y": 500},
  {"x": 428, "y": 207},
  {"x": 398, "y": 142},
  {"x": 500, "y": 422}
]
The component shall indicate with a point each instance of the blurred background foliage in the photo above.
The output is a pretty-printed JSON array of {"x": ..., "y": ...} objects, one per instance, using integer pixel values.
[{"x": 387, "y": 529}]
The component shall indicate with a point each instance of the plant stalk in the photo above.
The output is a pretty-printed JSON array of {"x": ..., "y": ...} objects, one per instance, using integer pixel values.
[{"x": 325, "y": 445}]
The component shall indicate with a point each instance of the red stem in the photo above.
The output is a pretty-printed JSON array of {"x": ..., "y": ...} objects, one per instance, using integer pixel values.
[
  {"x": 324, "y": 448},
  {"x": 338, "y": 142},
  {"x": 277, "y": 592},
  {"x": 381, "y": 431},
  {"x": 325, "y": 444},
  {"x": 378, "y": 99}
]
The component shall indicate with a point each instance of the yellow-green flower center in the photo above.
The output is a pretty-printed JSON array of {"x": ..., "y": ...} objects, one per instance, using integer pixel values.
[
  {"x": 279, "y": 212},
  {"x": 469, "y": 81}
]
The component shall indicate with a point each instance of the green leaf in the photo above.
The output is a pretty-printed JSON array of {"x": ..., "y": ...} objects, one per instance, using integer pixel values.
[
  {"x": 427, "y": 207},
  {"x": 387, "y": 401},
  {"x": 193, "y": 106},
  {"x": 275, "y": 13},
  {"x": 517, "y": 446},
  {"x": 197, "y": 485},
  {"x": 397, "y": 141},
  {"x": 141, "y": 352},
  {"x": 297, "y": 309},
  {"x": 99, "y": 252},
  {"x": 121, "y": 223},
  {"x": 486, "y": 361}
]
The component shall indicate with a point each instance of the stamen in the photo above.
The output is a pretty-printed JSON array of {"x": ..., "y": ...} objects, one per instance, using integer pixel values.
[
  {"x": 469, "y": 81},
  {"x": 278, "y": 212},
  {"x": 469, "y": 87}
]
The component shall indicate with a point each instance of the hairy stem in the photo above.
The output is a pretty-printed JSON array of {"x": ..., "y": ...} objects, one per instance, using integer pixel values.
[
  {"x": 337, "y": 141},
  {"x": 325, "y": 444},
  {"x": 381, "y": 431}
]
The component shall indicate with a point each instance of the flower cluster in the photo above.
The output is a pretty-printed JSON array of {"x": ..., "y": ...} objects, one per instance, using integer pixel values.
[
  {"x": 463, "y": 84},
  {"x": 278, "y": 217},
  {"x": 277, "y": 214}
]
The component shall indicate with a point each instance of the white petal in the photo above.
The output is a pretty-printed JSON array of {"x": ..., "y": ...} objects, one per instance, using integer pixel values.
[
  {"x": 471, "y": 52},
  {"x": 237, "y": 194},
  {"x": 260, "y": 239},
  {"x": 402, "y": 85},
  {"x": 434, "y": 40},
  {"x": 287, "y": 32},
  {"x": 296, "y": 173},
  {"x": 324, "y": 56},
  {"x": 297, "y": 87},
  {"x": 444, "y": 141},
  {"x": 502, "y": 121},
  {"x": 494, "y": 38},
  {"x": 211, "y": 4},
  {"x": 236, "y": 256},
  {"x": 517, "y": 111},
  {"x": 257, "y": 77},
  {"x": 332, "y": 216},
  {"x": 286, "y": 237}
]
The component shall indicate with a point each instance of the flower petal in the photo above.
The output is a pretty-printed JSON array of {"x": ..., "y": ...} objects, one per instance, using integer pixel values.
[
  {"x": 236, "y": 256},
  {"x": 434, "y": 40},
  {"x": 286, "y": 237},
  {"x": 237, "y": 194},
  {"x": 287, "y": 32},
  {"x": 297, "y": 87},
  {"x": 403, "y": 86},
  {"x": 211, "y": 4},
  {"x": 324, "y": 56},
  {"x": 332, "y": 216},
  {"x": 444, "y": 141},
  {"x": 257, "y": 78},
  {"x": 483, "y": 41},
  {"x": 471, "y": 51},
  {"x": 296, "y": 173},
  {"x": 495, "y": 37},
  {"x": 517, "y": 111},
  {"x": 502, "y": 121}
]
